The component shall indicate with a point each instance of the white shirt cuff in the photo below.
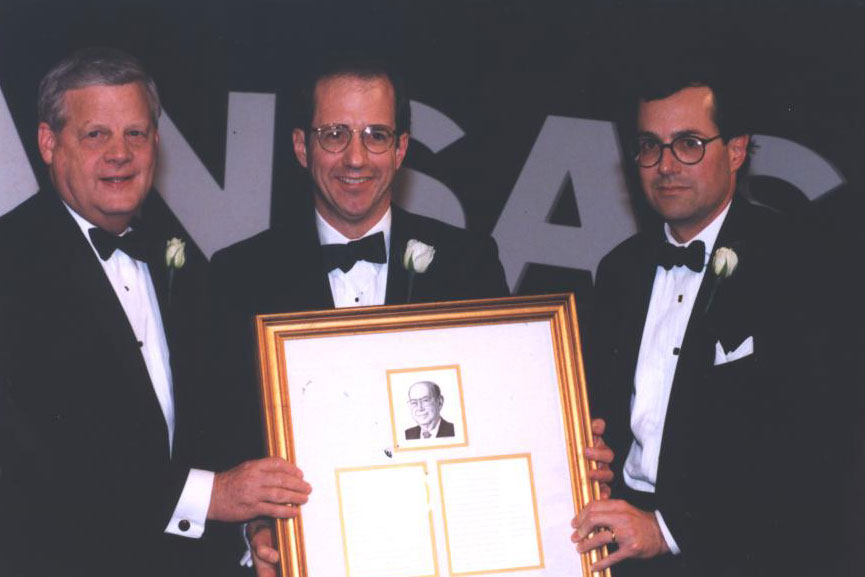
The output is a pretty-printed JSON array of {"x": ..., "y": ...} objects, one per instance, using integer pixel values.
[
  {"x": 190, "y": 515},
  {"x": 668, "y": 537}
]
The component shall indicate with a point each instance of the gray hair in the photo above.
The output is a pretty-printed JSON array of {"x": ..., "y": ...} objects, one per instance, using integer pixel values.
[
  {"x": 431, "y": 386},
  {"x": 91, "y": 67}
]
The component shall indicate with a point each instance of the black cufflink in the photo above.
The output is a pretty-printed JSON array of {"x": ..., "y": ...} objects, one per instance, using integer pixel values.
[{"x": 184, "y": 525}]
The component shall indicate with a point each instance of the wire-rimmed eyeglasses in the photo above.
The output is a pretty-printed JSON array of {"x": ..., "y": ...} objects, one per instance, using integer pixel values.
[{"x": 376, "y": 138}]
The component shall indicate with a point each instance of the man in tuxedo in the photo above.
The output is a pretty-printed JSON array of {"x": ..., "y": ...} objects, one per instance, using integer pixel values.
[
  {"x": 698, "y": 359},
  {"x": 426, "y": 402},
  {"x": 100, "y": 330},
  {"x": 351, "y": 136}
]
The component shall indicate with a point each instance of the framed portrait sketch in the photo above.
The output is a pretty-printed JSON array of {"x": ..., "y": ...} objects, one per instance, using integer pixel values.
[{"x": 441, "y": 439}]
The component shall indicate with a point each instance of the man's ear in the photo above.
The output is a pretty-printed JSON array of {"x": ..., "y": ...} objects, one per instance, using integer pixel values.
[
  {"x": 298, "y": 137},
  {"x": 737, "y": 149},
  {"x": 401, "y": 146},
  {"x": 47, "y": 140}
]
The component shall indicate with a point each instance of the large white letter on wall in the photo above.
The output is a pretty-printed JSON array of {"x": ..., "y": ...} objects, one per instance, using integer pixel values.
[
  {"x": 16, "y": 177},
  {"x": 218, "y": 216},
  {"x": 414, "y": 190},
  {"x": 587, "y": 152},
  {"x": 792, "y": 162}
]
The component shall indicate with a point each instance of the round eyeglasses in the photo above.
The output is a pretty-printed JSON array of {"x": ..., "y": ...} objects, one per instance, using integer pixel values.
[
  {"x": 422, "y": 402},
  {"x": 376, "y": 138},
  {"x": 687, "y": 149}
]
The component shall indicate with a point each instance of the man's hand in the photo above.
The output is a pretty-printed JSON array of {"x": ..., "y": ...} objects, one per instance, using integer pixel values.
[
  {"x": 265, "y": 557},
  {"x": 603, "y": 455},
  {"x": 614, "y": 521},
  {"x": 262, "y": 488}
]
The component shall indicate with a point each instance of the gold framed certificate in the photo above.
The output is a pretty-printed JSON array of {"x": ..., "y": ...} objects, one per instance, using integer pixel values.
[{"x": 442, "y": 439}]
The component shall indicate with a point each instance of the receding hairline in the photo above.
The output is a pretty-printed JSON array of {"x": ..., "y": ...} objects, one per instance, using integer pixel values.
[
  {"x": 432, "y": 388},
  {"x": 349, "y": 76}
]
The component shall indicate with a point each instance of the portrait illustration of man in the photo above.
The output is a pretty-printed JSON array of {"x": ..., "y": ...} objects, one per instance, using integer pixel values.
[{"x": 426, "y": 400}]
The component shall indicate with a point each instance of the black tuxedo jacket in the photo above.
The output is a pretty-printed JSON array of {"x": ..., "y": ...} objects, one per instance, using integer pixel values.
[
  {"x": 88, "y": 484},
  {"x": 446, "y": 429},
  {"x": 732, "y": 431},
  {"x": 281, "y": 270}
]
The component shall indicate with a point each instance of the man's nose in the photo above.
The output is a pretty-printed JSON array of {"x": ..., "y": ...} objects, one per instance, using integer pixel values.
[
  {"x": 118, "y": 151},
  {"x": 355, "y": 153},
  {"x": 668, "y": 164}
]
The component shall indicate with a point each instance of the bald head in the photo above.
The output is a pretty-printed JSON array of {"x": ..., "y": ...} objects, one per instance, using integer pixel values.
[{"x": 426, "y": 400}]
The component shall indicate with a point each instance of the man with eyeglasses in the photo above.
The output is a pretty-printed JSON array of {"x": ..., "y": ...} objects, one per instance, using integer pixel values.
[
  {"x": 426, "y": 402},
  {"x": 698, "y": 359},
  {"x": 351, "y": 250}
]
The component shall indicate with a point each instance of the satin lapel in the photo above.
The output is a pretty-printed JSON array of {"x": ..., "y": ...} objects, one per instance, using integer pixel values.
[
  {"x": 397, "y": 277},
  {"x": 735, "y": 234},
  {"x": 79, "y": 269},
  {"x": 174, "y": 312},
  {"x": 698, "y": 345},
  {"x": 159, "y": 275},
  {"x": 701, "y": 334},
  {"x": 301, "y": 282},
  {"x": 637, "y": 307}
]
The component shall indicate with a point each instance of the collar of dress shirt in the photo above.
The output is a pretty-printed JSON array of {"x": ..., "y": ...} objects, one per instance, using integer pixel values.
[
  {"x": 708, "y": 235},
  {"x": 329, "y": 235},
  {"x": 85, "y": 226},
  {"x": 433, "y": 431}
]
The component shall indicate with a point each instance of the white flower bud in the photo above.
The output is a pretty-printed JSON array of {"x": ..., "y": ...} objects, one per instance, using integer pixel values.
[
  {"x": 418, "y": 256},
  {"x": 724, "y": 262},
  {"x": 175, "y": 253}
]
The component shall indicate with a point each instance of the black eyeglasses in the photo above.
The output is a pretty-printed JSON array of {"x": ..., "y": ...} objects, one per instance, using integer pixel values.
[
  {"x": 687, "y": 149},
  {"x": 376, "y": 138}
]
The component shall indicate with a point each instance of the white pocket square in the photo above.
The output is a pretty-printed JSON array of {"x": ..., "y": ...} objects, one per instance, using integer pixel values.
[{"x": 742, "y": 351}]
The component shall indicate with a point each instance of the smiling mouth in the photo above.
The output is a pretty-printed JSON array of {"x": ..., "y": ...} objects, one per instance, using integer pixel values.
[
  {"x": 350, "y": 180},
  {"x": 116, "y": 179}
]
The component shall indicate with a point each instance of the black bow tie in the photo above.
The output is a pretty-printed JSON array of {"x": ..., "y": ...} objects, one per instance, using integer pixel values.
[
  {"x": 343, "y": 256},
  {"x": 106, "y": 243},
  {"x": 692, "y": 256}
]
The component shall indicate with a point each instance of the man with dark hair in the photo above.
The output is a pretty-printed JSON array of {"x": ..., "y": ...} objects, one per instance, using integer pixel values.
[
  {"x": 690, "y": 349},
  {"x": 355, "y": 248},
  {"x": 360, "y": 66},
  {"x": 100, "y": 330}
]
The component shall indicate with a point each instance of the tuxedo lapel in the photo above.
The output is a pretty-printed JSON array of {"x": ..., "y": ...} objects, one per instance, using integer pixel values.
[
  {"x": 706, "y": 324},
  {"x": 178, "y": 320},
  {"x": 722, "y": 320},
  {"x": 644, "y": 268},
  {"x": 624, "y": 290},
  {"x": 159, "y": 275},
  {"x": 298, "y": 270},
  {"x": 79, "y": 272},
  {"x": 704, "y": 328},
  {"x": 397, "y": 276}
]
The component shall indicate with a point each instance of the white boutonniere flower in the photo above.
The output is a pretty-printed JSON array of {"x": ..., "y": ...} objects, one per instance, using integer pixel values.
[
  {"x": 416, "y": 260},
  {"x": 724, "y": 262},
  {"x": 175, "y": 253},
  {"x": 175, "y": 258},
  {"x": 418, "y": 256}
]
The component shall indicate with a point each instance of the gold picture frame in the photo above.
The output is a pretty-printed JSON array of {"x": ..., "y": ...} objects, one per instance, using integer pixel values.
[{"x": 335, "y": 387}]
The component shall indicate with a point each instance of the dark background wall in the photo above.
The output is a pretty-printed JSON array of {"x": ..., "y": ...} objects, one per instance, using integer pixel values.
[{"x": 503, "y": 72}]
